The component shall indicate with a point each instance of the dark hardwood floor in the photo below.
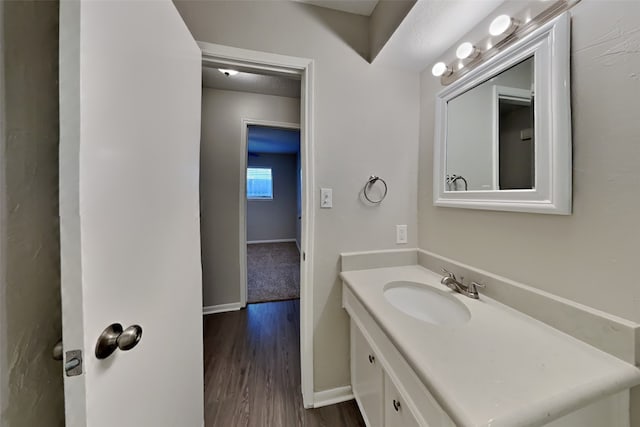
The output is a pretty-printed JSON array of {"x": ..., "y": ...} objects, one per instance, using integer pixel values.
[{"x": 252, "y": 371}]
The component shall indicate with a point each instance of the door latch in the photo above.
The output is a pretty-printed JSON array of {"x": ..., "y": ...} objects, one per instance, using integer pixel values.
[
  {"x": 73, "y": 360},
  {"x": 73, "y": 363}
]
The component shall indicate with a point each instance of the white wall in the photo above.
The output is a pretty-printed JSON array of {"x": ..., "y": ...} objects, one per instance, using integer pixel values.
[
  {"x": 222, "y": 113},
  {"x": 31, "y": 392},
  {"x": 366, "y": 122},
  {"x": 274, "y": 219}
]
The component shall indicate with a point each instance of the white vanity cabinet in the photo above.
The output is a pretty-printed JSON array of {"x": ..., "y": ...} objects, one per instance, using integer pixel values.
[
  {"x": 379, "y": 400},
  {"x": 366, "y": 379},
  {"x": 396, "y": 412},
  {"x": 399, "y": 365},
  {"x": 388, "y": 392}
]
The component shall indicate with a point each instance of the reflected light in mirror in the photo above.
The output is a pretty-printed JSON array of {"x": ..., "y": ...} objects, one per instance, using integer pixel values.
[{"x": 228, "y": 72}]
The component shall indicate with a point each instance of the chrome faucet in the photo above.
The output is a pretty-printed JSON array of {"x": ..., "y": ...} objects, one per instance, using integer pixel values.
[{"x": 470, "y": 290}]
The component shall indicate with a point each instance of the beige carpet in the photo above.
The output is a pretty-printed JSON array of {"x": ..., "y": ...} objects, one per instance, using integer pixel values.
[{"x": 273, "y": 272}]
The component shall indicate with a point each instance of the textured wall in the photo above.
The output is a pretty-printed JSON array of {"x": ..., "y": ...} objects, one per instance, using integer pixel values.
[
  {"x": 30, "y": 216},
  {"x": 222, "y": 113},
  {"x": 366, "y": 122},
  {"x": 571, "y": 256},
  {"x": 591, "y": 256},
  {"x": 274, "y": 219}
]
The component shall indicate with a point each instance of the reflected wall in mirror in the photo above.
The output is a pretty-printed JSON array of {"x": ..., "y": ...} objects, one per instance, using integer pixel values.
[
  {"x": 490, "y": 136},
  {"x": 503, "y": 130}
]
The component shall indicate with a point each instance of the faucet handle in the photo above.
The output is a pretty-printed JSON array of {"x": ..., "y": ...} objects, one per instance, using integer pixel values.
[
  {"x": 472, "y": 290},
  {"x": 474, "y": 285},
  {"x": 448, "y": 273}
]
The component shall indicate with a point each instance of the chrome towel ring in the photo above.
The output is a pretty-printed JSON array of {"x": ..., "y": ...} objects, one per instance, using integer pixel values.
[{"x": 370, "y": 182}]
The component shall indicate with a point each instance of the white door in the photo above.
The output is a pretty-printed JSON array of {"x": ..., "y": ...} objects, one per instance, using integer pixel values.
[{"x": 130, "y": 88}]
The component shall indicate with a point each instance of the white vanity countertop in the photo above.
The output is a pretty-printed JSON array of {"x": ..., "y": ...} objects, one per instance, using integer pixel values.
[{"x": 501, "y": 368}]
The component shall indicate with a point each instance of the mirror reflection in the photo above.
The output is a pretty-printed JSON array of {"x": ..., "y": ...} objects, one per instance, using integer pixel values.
[{"x": 490, "y": 141}]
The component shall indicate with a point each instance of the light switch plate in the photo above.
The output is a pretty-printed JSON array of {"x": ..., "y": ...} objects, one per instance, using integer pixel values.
[{"x": 326, "y": 198}]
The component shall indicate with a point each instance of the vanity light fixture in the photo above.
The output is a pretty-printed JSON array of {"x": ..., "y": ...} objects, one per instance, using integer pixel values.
[
  {"x": 502, "y": 31},
  {"x": 441, "y": 69},
  {"x": 228, "y": 72},
  {"x": 467, "y": 51},
  {"x": 503, "y": 25}
]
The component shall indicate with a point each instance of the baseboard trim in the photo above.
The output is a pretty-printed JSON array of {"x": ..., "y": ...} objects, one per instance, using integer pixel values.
[
  {"x": 255, "y": 242},
  {"x": 332, "y": 396},
  {"x": 221, "y": 308}
]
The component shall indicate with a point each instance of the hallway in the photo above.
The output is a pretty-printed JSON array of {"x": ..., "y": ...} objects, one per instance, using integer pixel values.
[{"x": 252, "y": 371}]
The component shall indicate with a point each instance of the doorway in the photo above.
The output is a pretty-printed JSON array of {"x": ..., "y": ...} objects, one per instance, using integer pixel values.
[
  {"x": 300, "y": 69},
  {"x": 273, "y": 210}
]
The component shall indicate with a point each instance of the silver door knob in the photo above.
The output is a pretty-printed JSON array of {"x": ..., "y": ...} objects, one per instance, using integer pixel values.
[
  {"x": 57, "y": 351},
  {"x": 113, "y": 338}
]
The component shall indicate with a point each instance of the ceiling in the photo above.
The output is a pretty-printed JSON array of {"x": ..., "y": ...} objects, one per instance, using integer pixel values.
[
  {"x": 212, "y": 78},
  {"x": 262, "y": 139},
  {"x": 359, "y": 7},
  {"x": 430, "y": 28}
]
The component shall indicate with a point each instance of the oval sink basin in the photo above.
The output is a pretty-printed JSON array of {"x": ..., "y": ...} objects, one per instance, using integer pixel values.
[{"x": 426, "y": 304}]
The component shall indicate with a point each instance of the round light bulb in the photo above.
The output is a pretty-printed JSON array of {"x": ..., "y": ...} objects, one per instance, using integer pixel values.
[
  {"x": 466, "y": 50},
  {"x": 440, "y": 69},
  {"x": 502, "y": 24},
  {"x": 228, "y": 72}
]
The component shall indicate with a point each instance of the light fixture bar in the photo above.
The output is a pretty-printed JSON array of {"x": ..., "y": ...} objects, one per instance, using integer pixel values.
[{"x": 503, "y": 30}]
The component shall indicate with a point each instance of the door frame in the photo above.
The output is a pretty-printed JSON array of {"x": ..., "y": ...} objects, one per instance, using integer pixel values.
[
  {"x": 243, "y": 196},
  {"x": 260, "y": 62}
]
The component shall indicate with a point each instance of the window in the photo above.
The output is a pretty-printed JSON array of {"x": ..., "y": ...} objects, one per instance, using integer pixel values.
[{"x": 259, "y": 184}]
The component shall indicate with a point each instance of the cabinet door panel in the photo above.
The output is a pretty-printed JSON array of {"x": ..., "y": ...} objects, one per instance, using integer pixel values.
[
  {"x": 396, "y": 412},
  {"x": 366, "y": 378}
]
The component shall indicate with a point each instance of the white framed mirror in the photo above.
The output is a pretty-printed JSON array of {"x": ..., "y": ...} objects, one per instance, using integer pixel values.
[{"x": 503, "y": 130}]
